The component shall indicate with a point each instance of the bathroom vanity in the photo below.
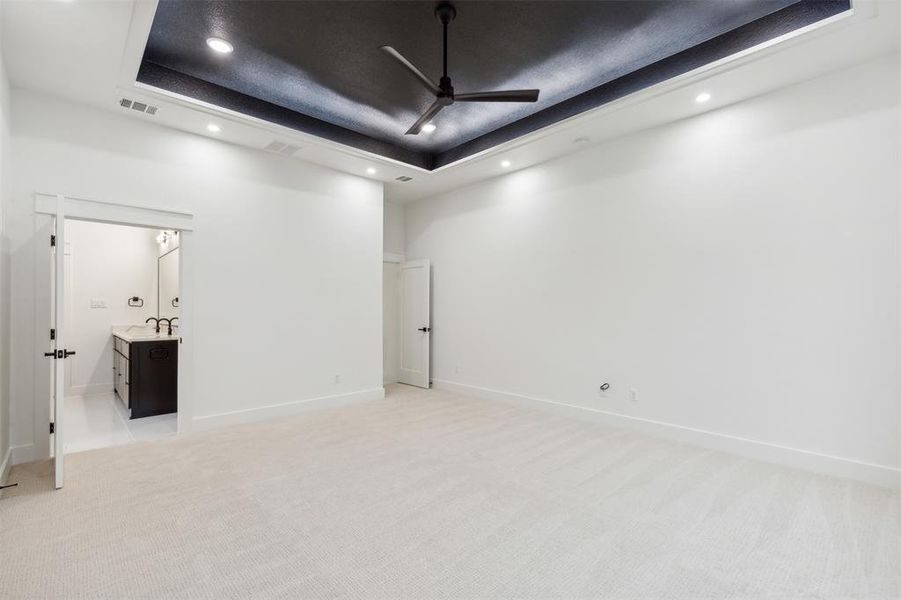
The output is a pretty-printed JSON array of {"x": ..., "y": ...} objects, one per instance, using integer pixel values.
[{"x": 145, "y": 370}]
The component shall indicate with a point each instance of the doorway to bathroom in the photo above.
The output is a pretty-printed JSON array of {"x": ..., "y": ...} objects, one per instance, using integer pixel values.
[
  {"x": 110, "y": 325},
  {"x": 121, "y": 300}
]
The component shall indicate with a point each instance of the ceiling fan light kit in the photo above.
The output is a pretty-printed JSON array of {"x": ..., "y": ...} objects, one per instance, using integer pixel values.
[{"x": 444, "y": 90}]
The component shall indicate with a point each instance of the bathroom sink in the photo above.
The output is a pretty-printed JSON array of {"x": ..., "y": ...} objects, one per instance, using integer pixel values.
[{"x": 140, "y": 333}]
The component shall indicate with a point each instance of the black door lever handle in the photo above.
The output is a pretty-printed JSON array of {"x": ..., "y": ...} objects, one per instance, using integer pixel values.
[
  {"x": 50, "y": 353},
  {"x": 67, "y": 354},
  {"x": 424, "y": 329}
]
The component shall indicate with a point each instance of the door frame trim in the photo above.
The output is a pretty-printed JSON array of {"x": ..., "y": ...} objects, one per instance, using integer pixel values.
[{"x": 116, "y": 213}]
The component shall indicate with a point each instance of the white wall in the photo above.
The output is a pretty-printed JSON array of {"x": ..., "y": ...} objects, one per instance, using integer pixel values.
[
  {"x": 286, "y": 258},
  {"x": 394, "y": 228},
  {"x": 107, "y": 263},
  {"x": 5, "y": 159},
  {"x": 740, "y": 270}
]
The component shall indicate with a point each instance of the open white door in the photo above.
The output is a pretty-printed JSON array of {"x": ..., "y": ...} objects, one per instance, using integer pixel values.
[
  {"x": 415, "y": 328},
  {"x": 59, "y": 354}
]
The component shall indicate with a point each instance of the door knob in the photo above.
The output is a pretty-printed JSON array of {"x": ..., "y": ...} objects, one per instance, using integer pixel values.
[{"x": 424, "y": 329}]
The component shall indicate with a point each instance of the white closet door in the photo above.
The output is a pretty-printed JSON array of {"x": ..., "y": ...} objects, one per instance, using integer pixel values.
[{"x": 415, "y": 328}]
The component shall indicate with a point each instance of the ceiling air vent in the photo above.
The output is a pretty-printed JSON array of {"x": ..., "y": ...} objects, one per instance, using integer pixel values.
[
  {"x": 138, "y": 106},
  {"x": 281, "y": 147},
  {"x": 403, "y": 178}
]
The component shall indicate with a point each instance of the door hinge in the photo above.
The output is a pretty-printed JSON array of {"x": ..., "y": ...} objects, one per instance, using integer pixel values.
[
  {"x": 52, "y": 240},
  {"x": 52, "y": 427},
  {"x": 53, "y": 334}
]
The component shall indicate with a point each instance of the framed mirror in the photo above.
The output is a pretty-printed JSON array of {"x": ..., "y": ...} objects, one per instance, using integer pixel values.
[{"x": 167, "y": 285}]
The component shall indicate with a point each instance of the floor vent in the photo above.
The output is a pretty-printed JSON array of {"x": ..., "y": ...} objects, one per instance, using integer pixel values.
[
  {"x": 281, "y": 147},
  {"x": 138, "y": 106},
  {"x": 403, "y": 178}
]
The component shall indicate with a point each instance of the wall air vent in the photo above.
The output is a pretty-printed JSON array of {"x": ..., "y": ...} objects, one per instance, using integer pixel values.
[
  {"x": 403, "y": 178},
  {"x": 138, "y": 106},
  {"x": 281, "y": 147}
]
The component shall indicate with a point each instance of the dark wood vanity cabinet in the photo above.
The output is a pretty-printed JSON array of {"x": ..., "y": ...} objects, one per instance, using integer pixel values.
[{"x": 145, "y": 376}]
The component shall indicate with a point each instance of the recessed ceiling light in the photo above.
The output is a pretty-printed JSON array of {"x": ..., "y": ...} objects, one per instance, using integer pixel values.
[
  {"x": 212, "y": 127},
  {"x": 371, "y": 170},
  {"x": 505, "y": 163},
  {"x": 219, "y": 45},
  {"x": 429, "y": 127},
  {"x": 702, "y": 98}
]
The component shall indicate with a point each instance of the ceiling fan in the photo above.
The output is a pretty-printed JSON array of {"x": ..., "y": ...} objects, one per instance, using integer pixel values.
[{"x": 444, "y": 91}]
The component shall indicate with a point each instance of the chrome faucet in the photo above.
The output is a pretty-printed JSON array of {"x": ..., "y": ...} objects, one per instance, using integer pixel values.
[{"x": 149, "y": 319}]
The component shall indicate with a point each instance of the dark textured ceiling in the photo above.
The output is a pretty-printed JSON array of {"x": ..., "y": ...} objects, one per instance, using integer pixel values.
[{"x": 315, "y": 66}]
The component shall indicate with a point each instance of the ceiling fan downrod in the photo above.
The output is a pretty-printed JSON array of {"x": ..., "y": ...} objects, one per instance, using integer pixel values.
[{"x": 445, "y": 12}]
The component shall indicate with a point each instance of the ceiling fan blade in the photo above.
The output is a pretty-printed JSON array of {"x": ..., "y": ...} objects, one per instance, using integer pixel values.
[
  {"x": 425, "y": 118},
  {"x": 428, "y": 83},
  {"x": 506, "y": 96}
]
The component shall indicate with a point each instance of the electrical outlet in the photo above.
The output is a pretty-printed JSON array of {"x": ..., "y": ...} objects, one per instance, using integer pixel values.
[
  {"x": 458, "y": 370},
  {"x": 337, "y": 377},
  {"x": 633, "y": 395},
  {"x": 98, "y": 304}
]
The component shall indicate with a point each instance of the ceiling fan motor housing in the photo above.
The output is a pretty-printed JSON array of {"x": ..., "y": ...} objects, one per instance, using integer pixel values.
[{"x": 446, "y": 97}]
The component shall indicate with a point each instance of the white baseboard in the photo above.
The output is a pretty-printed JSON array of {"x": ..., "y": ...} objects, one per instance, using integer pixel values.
[
  {"x": 882, "y": 475},
  {"x": 5, "y": 465},
  {"x": 273, "y": 411},
  {"x": 24, "y": 454}
]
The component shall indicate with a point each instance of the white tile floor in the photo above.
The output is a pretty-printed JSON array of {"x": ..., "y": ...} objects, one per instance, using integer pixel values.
[{"x": 101, "y": 421}]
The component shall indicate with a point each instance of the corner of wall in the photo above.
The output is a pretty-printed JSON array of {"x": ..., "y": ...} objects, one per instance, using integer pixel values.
[{"x": 5, "y": 137}]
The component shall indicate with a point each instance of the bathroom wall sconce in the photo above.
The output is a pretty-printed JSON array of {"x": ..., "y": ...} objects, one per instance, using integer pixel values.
[{"x": 165, "y": 236}]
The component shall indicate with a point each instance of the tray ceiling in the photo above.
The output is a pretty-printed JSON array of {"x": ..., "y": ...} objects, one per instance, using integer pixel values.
[{"x": 316, "y": 67}]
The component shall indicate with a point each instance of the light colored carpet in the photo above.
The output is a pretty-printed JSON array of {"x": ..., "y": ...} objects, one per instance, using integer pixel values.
[{"x": 431, "y": 495}]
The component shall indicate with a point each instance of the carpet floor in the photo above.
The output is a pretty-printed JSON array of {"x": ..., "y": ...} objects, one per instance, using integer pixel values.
[{"x": 428, "y": 494}]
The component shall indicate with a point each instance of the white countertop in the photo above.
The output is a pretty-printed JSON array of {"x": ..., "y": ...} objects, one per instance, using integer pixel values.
[{"x": 144, "y": 333}]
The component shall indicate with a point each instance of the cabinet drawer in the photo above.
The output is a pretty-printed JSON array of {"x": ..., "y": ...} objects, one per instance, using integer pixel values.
[{"x": 121, "y": 346}]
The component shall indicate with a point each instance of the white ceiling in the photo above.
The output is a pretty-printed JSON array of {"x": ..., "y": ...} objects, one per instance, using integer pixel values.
[{"x": 89, "y": 52}]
